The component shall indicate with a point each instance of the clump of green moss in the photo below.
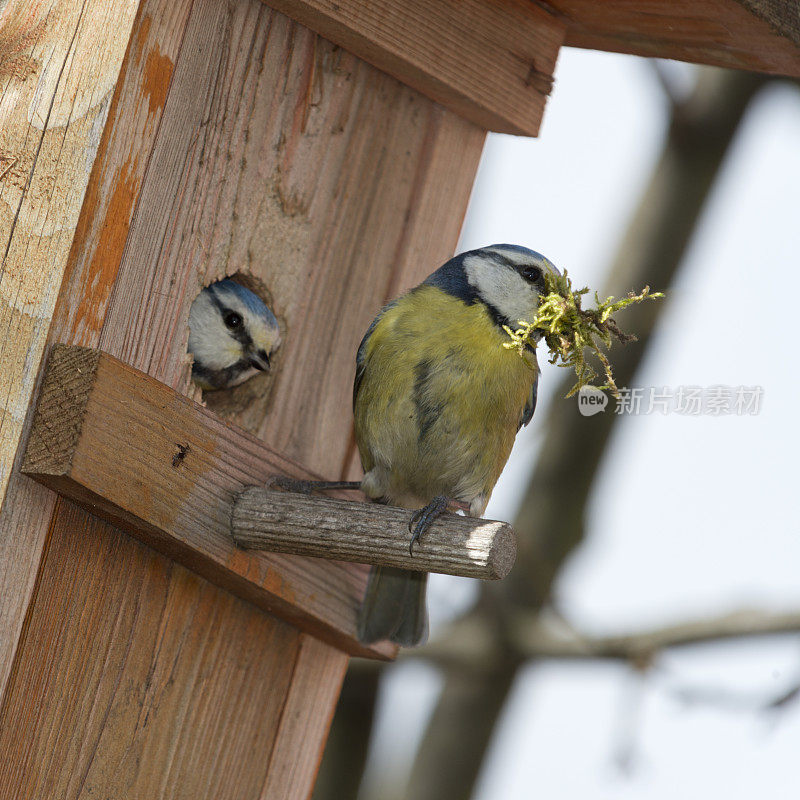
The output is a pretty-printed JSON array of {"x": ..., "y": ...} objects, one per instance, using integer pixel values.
[{"x": 569, "y": 330}]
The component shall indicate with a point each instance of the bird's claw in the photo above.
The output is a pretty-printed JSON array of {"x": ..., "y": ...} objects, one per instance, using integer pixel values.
[
  {"x": 415, "y": 515},
  {"x": 415, "y": 528},
  {"x": 422, "y": 518}
]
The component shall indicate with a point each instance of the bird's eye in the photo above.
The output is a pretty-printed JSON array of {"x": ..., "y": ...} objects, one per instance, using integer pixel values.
[
  {"x": 232, "y": 320},
  {"x": 531, "y": 274}
]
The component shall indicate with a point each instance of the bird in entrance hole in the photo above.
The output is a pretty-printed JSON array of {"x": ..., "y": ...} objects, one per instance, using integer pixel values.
[
  {"x": 232, "y": 335},
  {"x": 438, "y": 403}
]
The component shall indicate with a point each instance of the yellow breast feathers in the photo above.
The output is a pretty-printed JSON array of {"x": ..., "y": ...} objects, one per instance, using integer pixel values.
[{"x": 439, "y": 400}]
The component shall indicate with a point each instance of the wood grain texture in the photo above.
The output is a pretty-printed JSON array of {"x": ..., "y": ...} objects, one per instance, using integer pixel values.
[
  {"x": 725, "y": 33},
  {"x": 490, "y": 61},
  {"x": 782, "y": 15},
  {"x": 116, "y": 176},
  {"x": 306, "y": 718},
  {"x": 138, "y": 454},
  {"x": 24, "y": 523},
  {"x": 324, "y": 527},
  {"x": 59, "y": 63},
  {"x": 137, "y": 679},
  {"x": 121, "y": 165}
]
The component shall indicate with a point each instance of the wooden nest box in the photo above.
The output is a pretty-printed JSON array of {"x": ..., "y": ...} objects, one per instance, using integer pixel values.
[{"x": 325, "y": 152}]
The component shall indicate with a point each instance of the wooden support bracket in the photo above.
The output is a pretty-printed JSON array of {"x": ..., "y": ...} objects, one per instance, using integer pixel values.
[
  {"x": 143, "y": 457},
  {"x": 287, "y": 522},
  {"x": 136, "y": 453}
]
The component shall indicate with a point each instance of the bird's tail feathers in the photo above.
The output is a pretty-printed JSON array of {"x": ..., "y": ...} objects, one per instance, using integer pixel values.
[{"x": 394, "y": 607}]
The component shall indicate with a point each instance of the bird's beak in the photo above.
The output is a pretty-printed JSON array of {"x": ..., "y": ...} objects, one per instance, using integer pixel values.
[{"x": 260, "y": 360}]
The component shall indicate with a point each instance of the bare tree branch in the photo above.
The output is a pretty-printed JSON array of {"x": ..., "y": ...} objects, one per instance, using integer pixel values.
[
  {"x": 470, "y": 646},
  {"x": 784, "y": 699}
]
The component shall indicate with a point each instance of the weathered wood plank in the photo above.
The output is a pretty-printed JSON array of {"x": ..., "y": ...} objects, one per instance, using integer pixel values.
[
  {"x": 490, "y": 61},
  {"x": 152, "y": 461},
  {"x": 782, "y": 15},
  {"x": 756, "y": 35},
  {"x": 137, "y": 679},
  {"x": 287, "y": 522},
  {"x": 117, "y": 174},
  {"x": 59, "y": 63},
  {"x": 122, "y": 163},
  {"x": 306, "y": 718},
  {"x": 23, "y": 529}
]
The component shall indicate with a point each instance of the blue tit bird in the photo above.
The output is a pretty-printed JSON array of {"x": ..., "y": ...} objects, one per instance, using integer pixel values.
[
  {"x": 232, "y": 335},
  {"x": 438, "y": 403}
]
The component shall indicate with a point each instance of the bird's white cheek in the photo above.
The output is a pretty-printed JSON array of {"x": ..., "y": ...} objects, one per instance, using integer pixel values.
[
  {"x": 218, "y": 353},
  {"x": 519, "y": 301}
]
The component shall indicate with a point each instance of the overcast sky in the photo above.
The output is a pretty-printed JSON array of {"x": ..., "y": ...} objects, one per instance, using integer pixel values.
[{"x": 726, "y": 534}]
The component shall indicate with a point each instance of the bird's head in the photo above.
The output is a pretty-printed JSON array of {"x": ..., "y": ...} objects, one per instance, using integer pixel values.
[
  {"x": 232, "y": 335},
  {"x": 509, "y": 279},
  {"x": 506, "y": 278}
]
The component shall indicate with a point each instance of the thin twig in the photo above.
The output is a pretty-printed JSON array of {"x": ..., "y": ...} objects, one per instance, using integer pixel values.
[{"x": 470, "y": 644}]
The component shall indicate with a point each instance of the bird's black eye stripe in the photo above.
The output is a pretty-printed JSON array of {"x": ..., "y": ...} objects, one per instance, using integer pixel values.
[
  {"x": 232, "y": 320},
  {"x": 531, "y": 274}
]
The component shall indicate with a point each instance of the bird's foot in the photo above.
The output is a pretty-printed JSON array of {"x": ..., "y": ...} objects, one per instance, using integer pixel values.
[
  {"x": 306, "y": 487},
  {"x": 422, "y": 518}
]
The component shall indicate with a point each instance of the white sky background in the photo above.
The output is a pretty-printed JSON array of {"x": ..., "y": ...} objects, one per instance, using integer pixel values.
[{"x": 726, "y": 534}]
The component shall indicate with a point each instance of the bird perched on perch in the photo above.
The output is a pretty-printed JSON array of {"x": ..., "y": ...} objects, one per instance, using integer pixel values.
[
  {"x": 438, "y": 402},
  {"x": 232, "y": 335}
]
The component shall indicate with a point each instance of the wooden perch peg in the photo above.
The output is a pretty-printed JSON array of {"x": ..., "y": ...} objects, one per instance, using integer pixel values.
[{"x": 324, "y": 527}]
